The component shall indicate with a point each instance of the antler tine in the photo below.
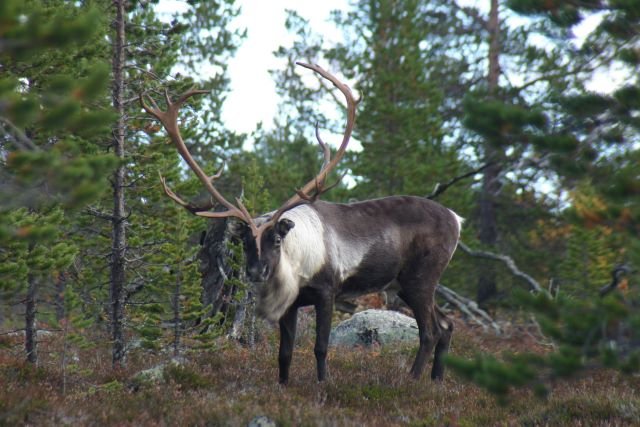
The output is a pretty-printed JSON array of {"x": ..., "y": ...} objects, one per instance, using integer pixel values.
[
  {"x": 188, "y": 94},
  {"x": 188, "y": 206},
  {"x": 173, "y": 196},
  {"x": 335, "y": 184},
  {"x": 351, "y": 117},
  {"x": 152, "y": 111},
  {"x": 326, "y": 151},
  {"x": 218, "y": 174},
  {"x": 326, "y": 155}
]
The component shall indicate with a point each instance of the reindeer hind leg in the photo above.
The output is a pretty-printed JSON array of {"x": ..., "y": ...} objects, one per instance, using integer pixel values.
[
  {"x": 418, "y": 282},
  {"x": 427, "y": 341},
  {"x": 442, "y": 346},
  {"x": 422, "y": 309}
]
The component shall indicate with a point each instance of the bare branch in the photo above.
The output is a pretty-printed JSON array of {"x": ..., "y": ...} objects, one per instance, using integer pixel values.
[
  {"x": 18, "y": 136},
  {"x": 99, "y": 214},
  {"x": 617, "y": 277},
  {"x": 508, "y": 262},
  {"x": 441, "y": 188},
  {"x": 469, "y": 308}
]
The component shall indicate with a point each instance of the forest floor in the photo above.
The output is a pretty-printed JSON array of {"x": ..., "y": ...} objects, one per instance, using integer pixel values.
[{"x": 234, "y": 385}]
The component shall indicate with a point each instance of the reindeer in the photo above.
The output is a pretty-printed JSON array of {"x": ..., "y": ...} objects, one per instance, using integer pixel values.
[{"x": 311, "y": 252}]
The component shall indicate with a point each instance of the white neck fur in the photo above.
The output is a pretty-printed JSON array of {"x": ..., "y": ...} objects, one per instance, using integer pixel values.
[{"x": 303, "y": 255}]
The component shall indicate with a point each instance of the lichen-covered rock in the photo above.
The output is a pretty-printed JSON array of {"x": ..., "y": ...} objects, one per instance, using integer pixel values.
[
  {"x": 262, "y": 421},
  {"x": 153, "y": 375},
  {"x": 380, "y": 327}
]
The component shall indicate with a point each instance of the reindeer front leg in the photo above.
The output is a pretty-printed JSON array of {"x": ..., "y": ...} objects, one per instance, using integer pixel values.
[
  {"x": 287, "y": 339},
  {"x": 324, "y": 311}
]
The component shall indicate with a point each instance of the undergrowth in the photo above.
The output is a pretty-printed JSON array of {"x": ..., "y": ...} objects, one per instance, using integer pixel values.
[{"x": 233, "y": 385}]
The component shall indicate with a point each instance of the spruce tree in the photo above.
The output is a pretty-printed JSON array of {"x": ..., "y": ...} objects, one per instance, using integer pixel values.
[
  {"x": 587, "y": 139},
  {"x": 53, "y": 123},
  {"x": 161, "y": 269},
  {"x": 399, "y": 57},
  {"x": 56, "y": 133}
]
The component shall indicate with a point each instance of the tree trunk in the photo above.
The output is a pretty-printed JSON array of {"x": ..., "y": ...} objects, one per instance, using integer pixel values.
[
  {"x": 216, "y": 293},
  {"x": 239, "y": 318},
  {"x": 488, "y": 235},
  {"x": 213, "y": 265},
  {"x": 30, "y": 328},
  {"x": 252, "y": 332},
  {"x": 243, "y": 327},
  {"x": 177, "y": 320},
  {"x": 118, "y": 250},
  {"x": 494, "y": 47},
  {"x": 61, "y": 285}
]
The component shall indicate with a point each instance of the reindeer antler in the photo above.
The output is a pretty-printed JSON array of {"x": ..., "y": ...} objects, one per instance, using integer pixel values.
[
  {"x": 304, "y": 194},
  {"x": 169, "y": 120}
]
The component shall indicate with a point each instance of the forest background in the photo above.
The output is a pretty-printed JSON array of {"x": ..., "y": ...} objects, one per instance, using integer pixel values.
[{"x": 95, "y": 260}]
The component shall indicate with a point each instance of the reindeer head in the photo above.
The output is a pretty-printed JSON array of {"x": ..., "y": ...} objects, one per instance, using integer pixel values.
[{"x": 261, "y": 266}]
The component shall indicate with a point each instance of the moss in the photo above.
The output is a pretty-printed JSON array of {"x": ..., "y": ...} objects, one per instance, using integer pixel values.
[
  {"x": 587, "y": 410},
  {"x": 379, "y": 392},
  {"x": 184, "y": 376},
  {"x": 24, "y": 372}
]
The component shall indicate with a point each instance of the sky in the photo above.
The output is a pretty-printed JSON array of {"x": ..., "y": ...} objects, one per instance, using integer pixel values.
[
  {"x": 249, "y": 70},
  {"x": 252, "y": 97}
]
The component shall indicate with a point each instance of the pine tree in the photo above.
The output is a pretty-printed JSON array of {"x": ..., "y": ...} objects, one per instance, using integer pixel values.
[
  {"x": 118, "y": 263},
  {"x": 46, "y": 121},
  {"x": 52, "y": 125},
  {"x": 398, "y": 52},
  {"x": 589, "y": 135},
  {"x": 412, "y": 71},
  {"x": 401, "y": 119},
  {"x": 587, "y": 139},
  {"x": 162, "y": 272},
  {"x": 55, "y": 123}
]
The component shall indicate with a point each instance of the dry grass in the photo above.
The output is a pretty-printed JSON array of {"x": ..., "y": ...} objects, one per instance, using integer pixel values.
[{"x": 234, "y": 385}]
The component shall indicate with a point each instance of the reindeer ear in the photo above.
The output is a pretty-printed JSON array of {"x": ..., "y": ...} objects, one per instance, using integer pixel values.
[{"x": 283, "y": 226}]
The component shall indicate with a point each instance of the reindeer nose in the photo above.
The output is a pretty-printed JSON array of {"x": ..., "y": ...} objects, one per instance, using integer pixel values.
[{"x": 258, "y": 273}]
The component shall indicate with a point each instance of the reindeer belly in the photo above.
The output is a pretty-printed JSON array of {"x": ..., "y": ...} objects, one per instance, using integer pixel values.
[{"x": 371, "y": 276}]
